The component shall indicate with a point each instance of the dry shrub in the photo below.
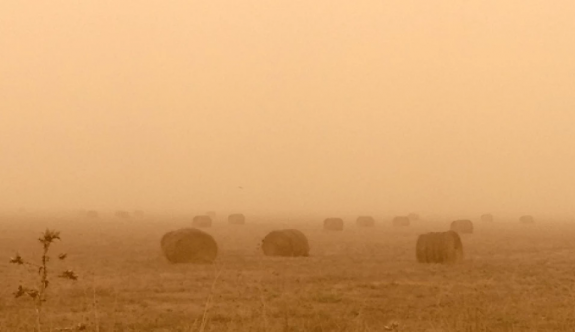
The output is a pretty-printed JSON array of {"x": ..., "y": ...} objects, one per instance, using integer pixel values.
[
  {"x": 202, "y": 221},
  {"x": 189, "y": 245},
  {"x": 527, "y": 219},
  {"x": 487, "y": 217},
  {"x": 236, "y": 219},
  {"x": 400, "y": 221},
  {"x": 286, "y": 243},
  {"x": 440, "y": 247},
  {"x": 463, "y": 226},
  {"x": 333, "y": 224},
  {"x": 365, "y": 221}
]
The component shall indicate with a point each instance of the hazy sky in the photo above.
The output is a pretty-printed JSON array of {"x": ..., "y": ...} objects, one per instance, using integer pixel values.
[{"x": 357, "y": 106}]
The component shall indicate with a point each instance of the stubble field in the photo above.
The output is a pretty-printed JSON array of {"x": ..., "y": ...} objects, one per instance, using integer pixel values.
[{"x": 514, "y": 278}]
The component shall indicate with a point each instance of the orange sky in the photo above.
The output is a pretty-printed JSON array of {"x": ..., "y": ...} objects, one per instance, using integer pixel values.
[{"x": 376, "y": 106}]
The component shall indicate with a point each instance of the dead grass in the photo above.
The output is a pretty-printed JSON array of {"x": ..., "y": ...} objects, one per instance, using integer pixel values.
[{"x": 514, "y": 278}]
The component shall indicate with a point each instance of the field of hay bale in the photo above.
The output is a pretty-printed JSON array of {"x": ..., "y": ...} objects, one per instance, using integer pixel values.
[{"x": 514, "y": 277}]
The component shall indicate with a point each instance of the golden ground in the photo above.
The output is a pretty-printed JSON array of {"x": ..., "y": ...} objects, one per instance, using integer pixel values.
[{"x": 514, "y": 278}]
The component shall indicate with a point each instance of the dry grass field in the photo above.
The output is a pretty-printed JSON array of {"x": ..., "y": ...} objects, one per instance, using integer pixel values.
[{"x": 514, "y": 278}]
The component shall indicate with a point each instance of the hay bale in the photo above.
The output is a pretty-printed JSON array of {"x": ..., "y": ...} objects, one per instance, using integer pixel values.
[
  {"x": 487, "y": 217},
  {"x": 365, "y": 221},
  {"x": 202, "y": 221},
  {"x": 92, "y": 214},
  {"x": 286, "y": 243},
  {"x": 189, "y": 245},
  {"x": 122, "y": 214},
  {"x": 463, "y": 226},
  {"x": 236, "y": 219},
  {"x": 527, "y": 219},
  {"x": 401, "y": 221},
  {"x": 413, "y": 216},
  {"x": 333, "y": 224},
  {"x": 439, "y": 247}
]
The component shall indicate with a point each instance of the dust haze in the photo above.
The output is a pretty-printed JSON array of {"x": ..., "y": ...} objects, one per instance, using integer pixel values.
[{"x": 323, "y": 106}]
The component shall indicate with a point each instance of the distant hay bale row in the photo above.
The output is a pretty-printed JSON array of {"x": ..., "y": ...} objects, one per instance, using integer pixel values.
[
  {"x": 463, "y": 226},
  {"x": 336, "y": 224},
  {"x": 333, "y": 224},
  {"x": 365, "y": 221},
  {"x": 525, "y": 219},
  {"x": 400, "y": 221},
  {"x": 205, "y": 221},
  {"x": 122, "y": 214},
  {"x": 441, "y": 247},
  {"x": 286, "y": 243},
  {"x": 189, "y": 245}
]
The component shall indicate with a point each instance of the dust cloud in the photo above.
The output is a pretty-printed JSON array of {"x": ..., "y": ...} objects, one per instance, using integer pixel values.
[{"x": 373, "y": 106}]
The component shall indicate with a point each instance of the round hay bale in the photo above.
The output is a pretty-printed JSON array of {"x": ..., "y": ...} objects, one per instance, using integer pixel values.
[
  {"x": 333, "y": 224},
  {"x": 487, "y": 217},
  {"x": 92, "y": 214},
  {"x": 527, "y": 219},
  {"x": 236, "y": 219},
  {"x": 413, "y": 216},
  {"x": 286, "y": 243},
  {"x": 365, "y": 221},
  {"x": 189, "y": 245},
  {"x": 202, "y": 221},
  {"x": 122, "y": 214},
  {"x": 463, "y": 226},
  {"x": 439, "y": 247},
  {"x": 424, "y": 248},
  {"x": 401, "y": 221}
]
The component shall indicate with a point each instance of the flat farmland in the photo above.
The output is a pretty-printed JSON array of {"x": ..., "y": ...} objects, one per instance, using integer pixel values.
[{"x": 514, "y": 278}]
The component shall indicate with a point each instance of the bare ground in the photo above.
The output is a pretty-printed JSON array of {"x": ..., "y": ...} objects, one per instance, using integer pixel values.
[{"x": 514, "y": 278}]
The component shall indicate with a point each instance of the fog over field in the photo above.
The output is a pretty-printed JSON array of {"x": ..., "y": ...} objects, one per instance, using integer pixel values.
[{"x": 458, "y": 107}]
